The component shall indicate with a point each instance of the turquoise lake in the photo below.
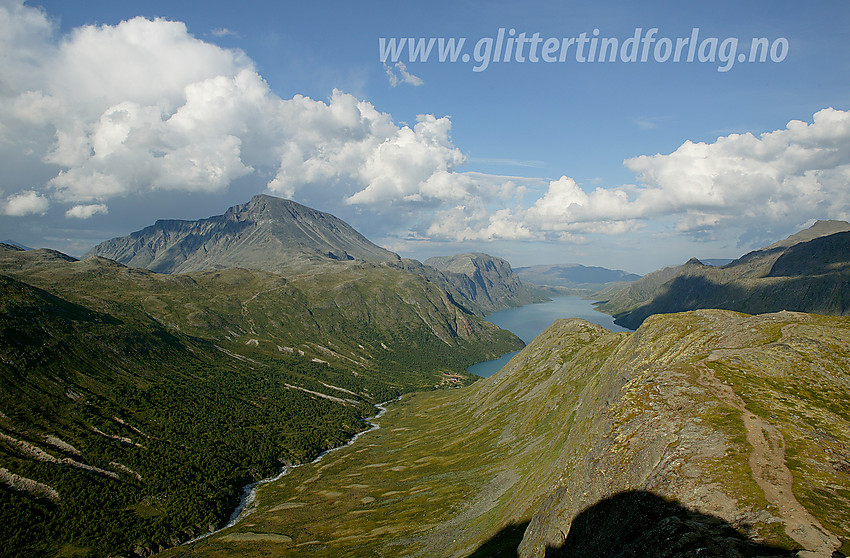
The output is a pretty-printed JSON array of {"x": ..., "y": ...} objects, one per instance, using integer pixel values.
[{"x": 527, "y": 322}]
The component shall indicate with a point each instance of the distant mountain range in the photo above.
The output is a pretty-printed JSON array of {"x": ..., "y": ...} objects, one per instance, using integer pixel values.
[
  {"x": 716, "y": 262},
  {"x": 807, "y": 272},
  {"x": 574, "y": 276}
]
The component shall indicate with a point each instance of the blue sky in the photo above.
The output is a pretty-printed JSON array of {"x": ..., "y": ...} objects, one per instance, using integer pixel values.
[{"x": 534, "y": 162}]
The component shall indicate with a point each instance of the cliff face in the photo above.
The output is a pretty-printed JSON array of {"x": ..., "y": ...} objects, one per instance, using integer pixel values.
[{"x": 486, "y": 281}]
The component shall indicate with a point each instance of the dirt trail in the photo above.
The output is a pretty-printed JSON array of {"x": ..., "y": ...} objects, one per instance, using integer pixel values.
[
  {"x": 767, "y": 462},
  {"x": 247, "y": 315}
]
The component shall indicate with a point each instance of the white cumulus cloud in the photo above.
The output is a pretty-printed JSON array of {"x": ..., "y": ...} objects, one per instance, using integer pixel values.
[
  {"x": 26, "y": 203},
  {"x": 778, "y": 180},
  {"x": 403, "y": 76},
  {"x": 86, "y": 211},
  {"x": 787, "y": 177},
  {"x": 143, "y": 106},
  {"x": 123, "y": 109}
]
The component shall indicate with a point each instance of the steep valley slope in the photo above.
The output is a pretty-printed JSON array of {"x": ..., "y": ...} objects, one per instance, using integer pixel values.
[
  {"x": 702, "y": 433},
  {"x": 134, "y": 405},
  {"x": 487, "y": 281}
]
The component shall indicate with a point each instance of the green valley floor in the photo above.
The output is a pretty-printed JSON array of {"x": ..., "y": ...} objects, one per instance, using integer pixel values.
[{"x": 735, "y": 424}]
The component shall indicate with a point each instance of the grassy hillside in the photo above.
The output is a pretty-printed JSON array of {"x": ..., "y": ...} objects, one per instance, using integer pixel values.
[
  {"x": 133, "y": 405},
  {"x": 142, "y": 436},
  {"x": 728, "y": 430}
]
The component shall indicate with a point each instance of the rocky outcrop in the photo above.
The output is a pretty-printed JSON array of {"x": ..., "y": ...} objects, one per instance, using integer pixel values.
[
  {"x": 706, "y": 414},
  {"x": 29, "y": 486}
]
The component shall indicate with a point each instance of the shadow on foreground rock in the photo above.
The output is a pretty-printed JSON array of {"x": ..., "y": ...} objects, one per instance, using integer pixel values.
[
  {"x": 503, "y": 544},
  {"x": 643, "y": 524}
]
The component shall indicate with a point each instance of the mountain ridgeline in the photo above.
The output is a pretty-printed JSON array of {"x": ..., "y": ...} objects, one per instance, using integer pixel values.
[
  {"x": 287, "y": 238},
  {"x": 807, "y": 272}
]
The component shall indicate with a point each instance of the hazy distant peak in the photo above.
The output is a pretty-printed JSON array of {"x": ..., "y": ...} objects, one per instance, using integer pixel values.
[
  {"x": 572, "y": 275},
  {"x": 11, "y": 246}
]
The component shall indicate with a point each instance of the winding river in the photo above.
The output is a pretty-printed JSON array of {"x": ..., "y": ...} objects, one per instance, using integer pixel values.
[
  {"x": 527, "y": 322},
  {"x": 249, "y": 492}
]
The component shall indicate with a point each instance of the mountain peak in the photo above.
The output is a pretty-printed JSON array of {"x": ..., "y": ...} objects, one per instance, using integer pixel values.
[
  {"x": 267, "y": 233},
  {"x": 264, "y": 204}
]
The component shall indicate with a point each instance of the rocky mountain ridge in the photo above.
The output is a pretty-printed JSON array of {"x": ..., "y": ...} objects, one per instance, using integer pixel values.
[{"x": 807, "y": 272}]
